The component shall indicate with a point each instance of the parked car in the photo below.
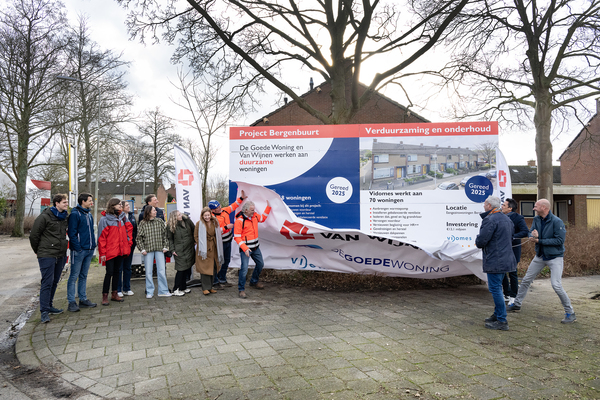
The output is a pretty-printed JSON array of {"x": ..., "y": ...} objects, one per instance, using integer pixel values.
[
  {"x": 465, "y": 179},
  {"x": 448, "y": 186},
  {"x": 489, "y": 174}
]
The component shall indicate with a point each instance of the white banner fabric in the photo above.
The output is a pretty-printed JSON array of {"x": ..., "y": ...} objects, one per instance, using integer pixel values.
[
  {"x": 189, "y": 191},
  {"x": 504, "y": 188},
  {"x": 288, "y": 242}
]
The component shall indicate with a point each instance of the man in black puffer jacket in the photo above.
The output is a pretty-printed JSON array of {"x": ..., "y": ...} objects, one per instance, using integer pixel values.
[{"x": 49, "y": 242}]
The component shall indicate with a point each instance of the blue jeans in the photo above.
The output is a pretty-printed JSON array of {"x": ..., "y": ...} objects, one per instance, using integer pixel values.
[
  {"x": 161, "y": 273},
  {"x": 125, "y": 273},
  {"x": 258, "y": 259},
  {"x": 495, "y": 287},
  {"x": 556, "y": 270},
  {"x": 51, "y": 269},
  {"x": 80, "y": 265},
  {"x": 221, "y": 276}
]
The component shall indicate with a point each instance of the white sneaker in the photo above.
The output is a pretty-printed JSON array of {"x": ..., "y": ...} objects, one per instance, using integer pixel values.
[
  {"x": 511, "y": 301},
  {"x": 128, "y": 293},
  {"x": 178, "y": 293},
  {"x": 120, "y": 294},
  {"x": 165, "y": 295},
  {"x": 506, "y": 298},
  {"x": 187, "y": 290},
  {"x": 148, "y": 296}
]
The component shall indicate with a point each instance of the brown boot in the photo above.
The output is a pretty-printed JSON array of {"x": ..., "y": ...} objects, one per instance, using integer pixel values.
[
  {"x": 115, "y": 296},
  {"x": 104, "y": 299}
]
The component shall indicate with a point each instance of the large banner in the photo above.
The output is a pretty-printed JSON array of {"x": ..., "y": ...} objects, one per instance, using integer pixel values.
[
  {"x": 422, "y": 184},
  {"x": 189, "y": 192},
  {"x": 289, "y": 242}
]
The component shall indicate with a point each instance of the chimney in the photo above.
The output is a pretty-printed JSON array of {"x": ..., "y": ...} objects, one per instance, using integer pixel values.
[
  {"x": 285, "y": 100},
  {"x": 531, "y": 163},
  {"x": 103, "y": 180},
  {"x": 312, "y": 84},
  {"x": 172, "y": 186}
]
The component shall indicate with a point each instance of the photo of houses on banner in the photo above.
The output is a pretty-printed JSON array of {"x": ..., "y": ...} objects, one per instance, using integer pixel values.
[{"x": 426, "y": 163}]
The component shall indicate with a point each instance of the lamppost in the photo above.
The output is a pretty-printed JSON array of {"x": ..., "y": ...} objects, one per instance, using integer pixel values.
[
  {"x": 124, "y": 188},
  {"x": 68, "y": 78}
]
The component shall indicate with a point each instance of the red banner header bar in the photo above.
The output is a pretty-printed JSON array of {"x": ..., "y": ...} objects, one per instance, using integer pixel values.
[{"x": 365, "y": 130}]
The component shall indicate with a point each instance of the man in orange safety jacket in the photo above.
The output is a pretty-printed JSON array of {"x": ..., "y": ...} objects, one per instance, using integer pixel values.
[
  {"x": 223, "y": 215},
  {"x": 245, "y": 233}
]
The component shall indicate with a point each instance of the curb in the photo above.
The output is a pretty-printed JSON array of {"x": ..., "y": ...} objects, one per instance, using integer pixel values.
[{"x": 23, "y": 347}]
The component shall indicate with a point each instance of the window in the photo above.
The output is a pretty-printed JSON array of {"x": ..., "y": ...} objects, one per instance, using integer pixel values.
[
  {"x": 560, "y": 210},
  {"x": 412, "y": 157},
  {"x": 379, "y": 173},
  {"x": 449, "y": 157},
  {"x": 527, "y": 208},
  {"x": 381, "y": 158}
]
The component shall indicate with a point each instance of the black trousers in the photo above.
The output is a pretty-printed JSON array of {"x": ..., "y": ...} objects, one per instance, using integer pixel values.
[
  {"x": 181, "y": 277},
  {"x": 113, "y": 266}
]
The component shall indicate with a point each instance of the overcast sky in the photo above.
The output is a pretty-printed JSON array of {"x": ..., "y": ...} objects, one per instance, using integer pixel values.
[{"x": 151, "y": 71}]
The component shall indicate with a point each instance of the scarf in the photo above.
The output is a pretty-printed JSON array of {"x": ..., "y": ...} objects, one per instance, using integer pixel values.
[
  {"x": 60, "y": 215},
  {"x": 203, "y": 242}
]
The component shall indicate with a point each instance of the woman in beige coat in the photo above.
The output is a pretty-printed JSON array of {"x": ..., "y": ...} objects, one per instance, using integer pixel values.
[{"x": 209, "y": 249}]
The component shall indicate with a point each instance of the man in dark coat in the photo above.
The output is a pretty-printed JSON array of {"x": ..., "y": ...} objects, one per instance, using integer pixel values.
[
  {"x": 510, "y": 283},
  {"x": 49, "y": 242},
  {"x": 495, "y": 239},
  {"x": 152, "y": 200}
]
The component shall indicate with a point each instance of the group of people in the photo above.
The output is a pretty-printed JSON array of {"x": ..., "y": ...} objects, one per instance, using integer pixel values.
[
  {"x": 206, "y": 244},
  {"x": 500, "y": 239}
]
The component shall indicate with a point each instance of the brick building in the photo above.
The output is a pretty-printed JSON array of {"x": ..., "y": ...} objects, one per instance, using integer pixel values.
[
  {"x": 576, "y": 181},
  {"x": 377, "y": 110}
]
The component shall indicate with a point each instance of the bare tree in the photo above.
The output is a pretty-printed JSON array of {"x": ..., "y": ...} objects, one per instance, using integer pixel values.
[
  {"x": 100, "y": 73},
  {"x": 128, "y": 160},
  {"x": 521, "y": 61},
  {"x": 211, "y": 106},
  {"x": 488, "y": 151},
  {"x": 218, "y": 189},
  {"x": 31, "y": 43},
  {"x": 253, "y": 41},
  {"x": 157, "y": 131}
]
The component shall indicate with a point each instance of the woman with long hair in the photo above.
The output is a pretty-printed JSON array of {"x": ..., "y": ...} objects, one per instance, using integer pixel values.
[
  {"x": 209, "y": 253},
  {"x": 114, "y": 245},
  {"x": 152, "y": 243},
  {"x": 124, "y": 286},
  {"x": 180, "y": 233}
]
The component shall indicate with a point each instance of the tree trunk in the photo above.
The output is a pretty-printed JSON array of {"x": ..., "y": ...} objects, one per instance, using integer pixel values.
[
  {"x": 21, "y": 183},
  {"x": 543, "y": 146}
]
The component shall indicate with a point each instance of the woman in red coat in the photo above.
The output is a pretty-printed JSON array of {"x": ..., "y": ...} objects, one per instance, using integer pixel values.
[{"x": 114, "y": 245}]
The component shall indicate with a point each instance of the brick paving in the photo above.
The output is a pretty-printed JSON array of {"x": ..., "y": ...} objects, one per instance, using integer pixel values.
[{"x": 294, "y": 343}]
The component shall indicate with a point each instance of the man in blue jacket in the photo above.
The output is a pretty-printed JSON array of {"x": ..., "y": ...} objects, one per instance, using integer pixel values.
[
  {"x": 495, "y": 239},
  {"x": 83, "y": 244},
  {"x": 548, "y": 232},
  {"x": 510, "y": 283}
]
